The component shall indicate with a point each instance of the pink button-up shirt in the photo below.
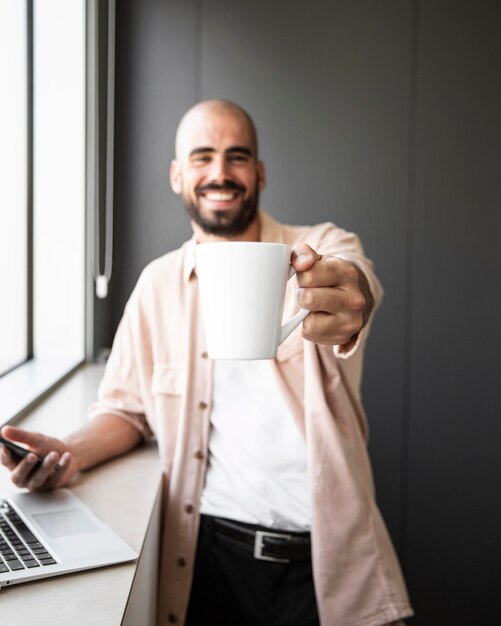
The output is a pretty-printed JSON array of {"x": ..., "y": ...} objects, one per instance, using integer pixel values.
[{"x": 159, "y": 379}]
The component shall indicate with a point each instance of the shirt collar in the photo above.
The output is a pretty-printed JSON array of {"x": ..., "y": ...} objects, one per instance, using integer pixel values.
[{"x": 189, "y": 259}]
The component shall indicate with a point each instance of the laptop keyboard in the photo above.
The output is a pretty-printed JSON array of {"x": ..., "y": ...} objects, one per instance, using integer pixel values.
[{"x": 19, "y": 547}]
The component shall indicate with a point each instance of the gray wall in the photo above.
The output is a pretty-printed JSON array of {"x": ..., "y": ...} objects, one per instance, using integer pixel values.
[{"x": 384, "y": 118}]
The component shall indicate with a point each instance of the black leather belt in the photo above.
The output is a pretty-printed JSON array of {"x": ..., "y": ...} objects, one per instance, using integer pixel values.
[{"x": 266, "y": 545}]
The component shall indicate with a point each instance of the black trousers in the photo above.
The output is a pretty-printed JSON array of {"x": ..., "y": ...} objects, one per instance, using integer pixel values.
[{"x": 232, "y": 588}]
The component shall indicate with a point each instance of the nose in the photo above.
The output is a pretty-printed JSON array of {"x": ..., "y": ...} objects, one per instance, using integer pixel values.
[{"x": 219, "y": 170}]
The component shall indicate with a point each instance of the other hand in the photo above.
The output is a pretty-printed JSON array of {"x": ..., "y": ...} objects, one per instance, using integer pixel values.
[
  {"x": 54, "y": 452},
  {"x": 337, "y": 294}
]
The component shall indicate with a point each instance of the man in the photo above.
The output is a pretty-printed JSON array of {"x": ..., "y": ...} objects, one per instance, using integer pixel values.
[{"x": 255, "y": 454}]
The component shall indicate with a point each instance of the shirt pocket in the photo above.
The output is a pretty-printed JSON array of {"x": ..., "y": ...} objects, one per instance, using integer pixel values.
[
  {"x": 168, "y": 379},
  {"x": 168, "y": 385}
]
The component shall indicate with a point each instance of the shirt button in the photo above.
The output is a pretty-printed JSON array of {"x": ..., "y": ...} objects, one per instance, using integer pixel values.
[
  {"x": 189, "y": 508},
  {"x": 199, "y": 454},
  {"x": 202, "y": 405},
  {"x": 181, "y": 562},
  {"x": 205, "y": 355},
  {"x": 172, "y": 618}
]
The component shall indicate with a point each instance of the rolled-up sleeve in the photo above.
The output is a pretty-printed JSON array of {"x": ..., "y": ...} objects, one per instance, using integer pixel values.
[
  {"x": 348, "y": 247},
  {"x": 119, "y": 392}
]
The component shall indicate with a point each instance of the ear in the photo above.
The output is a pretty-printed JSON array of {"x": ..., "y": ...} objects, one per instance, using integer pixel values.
[
  {"x": 175, "y": 177},
  {"x": 261, "y": 175}
]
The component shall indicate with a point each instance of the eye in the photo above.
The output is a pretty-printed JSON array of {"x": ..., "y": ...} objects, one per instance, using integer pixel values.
[
  {"x": 200, "y": 159},
  {"x": 238, "y": 158}
]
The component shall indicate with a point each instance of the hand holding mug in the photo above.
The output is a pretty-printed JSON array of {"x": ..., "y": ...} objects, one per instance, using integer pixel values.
[{"x": 337, "y": 294}]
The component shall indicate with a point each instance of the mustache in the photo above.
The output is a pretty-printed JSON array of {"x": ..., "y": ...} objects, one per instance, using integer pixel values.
[{"x": 227, "y": 185}]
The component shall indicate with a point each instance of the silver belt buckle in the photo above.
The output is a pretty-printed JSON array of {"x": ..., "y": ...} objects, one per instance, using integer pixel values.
[{"x": 259, "y": 546}]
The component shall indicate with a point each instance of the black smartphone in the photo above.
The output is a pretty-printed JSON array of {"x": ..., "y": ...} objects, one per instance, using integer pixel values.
[{"x": 19, "y": 451}]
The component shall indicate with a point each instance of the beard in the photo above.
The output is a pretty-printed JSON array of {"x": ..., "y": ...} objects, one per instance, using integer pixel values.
[{"x": 222, "y": 223}]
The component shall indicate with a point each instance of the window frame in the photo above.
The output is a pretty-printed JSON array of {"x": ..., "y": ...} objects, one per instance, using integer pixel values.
[{"x": 25, "y": 385}]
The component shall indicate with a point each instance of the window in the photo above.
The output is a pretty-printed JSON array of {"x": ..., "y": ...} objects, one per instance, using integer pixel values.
[
  {"x": 49, "y": 335},
  {"x": 13, "y": 185},
  {"x": 59, "y": 179}
]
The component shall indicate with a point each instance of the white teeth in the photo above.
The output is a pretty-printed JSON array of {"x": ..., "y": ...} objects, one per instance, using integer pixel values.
[{"x": 219, "y": 196}]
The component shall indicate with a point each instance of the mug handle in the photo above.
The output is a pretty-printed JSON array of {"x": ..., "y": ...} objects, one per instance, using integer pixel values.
[{"x": 289, "y": 326}]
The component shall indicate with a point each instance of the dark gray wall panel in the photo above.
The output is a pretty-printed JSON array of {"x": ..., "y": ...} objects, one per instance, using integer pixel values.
[
  {"x": 328, "y": 85},
  {"x": 156, "y": 82},
  {"x": 454, "y": 515}
]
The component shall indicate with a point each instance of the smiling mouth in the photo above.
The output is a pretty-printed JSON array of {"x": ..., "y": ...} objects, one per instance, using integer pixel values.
[{"x": 220, "y": 196}]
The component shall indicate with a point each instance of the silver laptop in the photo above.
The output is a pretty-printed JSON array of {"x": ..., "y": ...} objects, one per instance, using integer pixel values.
[{"x": 51, "y": 533}]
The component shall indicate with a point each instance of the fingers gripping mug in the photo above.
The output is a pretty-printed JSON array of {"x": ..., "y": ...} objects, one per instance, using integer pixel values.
[{"x": 242, "y": 289}]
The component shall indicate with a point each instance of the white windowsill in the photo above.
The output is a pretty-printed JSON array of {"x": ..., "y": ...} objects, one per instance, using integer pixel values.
[{"x": 28, "y": 383}]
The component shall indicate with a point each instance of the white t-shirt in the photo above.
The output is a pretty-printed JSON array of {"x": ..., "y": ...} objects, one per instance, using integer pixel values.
[{"x": 257, "y": 456}]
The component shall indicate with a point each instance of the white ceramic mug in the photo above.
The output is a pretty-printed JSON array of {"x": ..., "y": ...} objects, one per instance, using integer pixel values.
[{"x": 242, "y": 290}]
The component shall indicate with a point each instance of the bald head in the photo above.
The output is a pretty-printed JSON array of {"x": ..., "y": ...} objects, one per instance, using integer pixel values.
[
  {"x": 216, "y": 170},
  {"x": 201, "y": 115}
]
